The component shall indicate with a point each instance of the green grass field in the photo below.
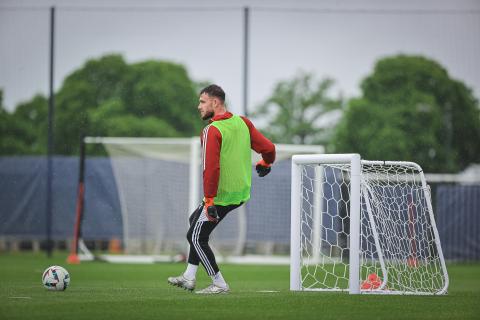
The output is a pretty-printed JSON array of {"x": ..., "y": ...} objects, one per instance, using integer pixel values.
[{"x": 121, "y": 291}]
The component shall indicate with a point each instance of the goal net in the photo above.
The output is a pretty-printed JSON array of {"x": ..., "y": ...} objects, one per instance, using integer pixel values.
[
  {"x": 363, "y": 227},
  {"x": 159, "y": 184}
]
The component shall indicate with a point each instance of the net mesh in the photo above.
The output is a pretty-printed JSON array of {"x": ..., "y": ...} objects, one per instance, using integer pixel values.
[
  {"x": 150, "y": 192},
  {"x": 398, "y": 251}
]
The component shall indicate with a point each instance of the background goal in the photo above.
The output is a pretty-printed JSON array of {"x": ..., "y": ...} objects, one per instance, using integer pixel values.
[
  {"x": 159, "y": 184},
  {"x": 363, "y": 227}
]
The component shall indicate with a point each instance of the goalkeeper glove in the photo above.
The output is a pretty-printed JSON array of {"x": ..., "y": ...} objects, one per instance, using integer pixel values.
[
  {"x": 263, "y": 168},
  {"x": 210, "y": 210}
]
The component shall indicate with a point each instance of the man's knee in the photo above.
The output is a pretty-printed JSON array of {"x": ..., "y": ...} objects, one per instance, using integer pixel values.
[
  {"x": 199, "y": 238},
  {"x": 203, "y": 240}
]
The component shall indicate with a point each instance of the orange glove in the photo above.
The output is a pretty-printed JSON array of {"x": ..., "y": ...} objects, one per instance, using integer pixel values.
[
  {"x": 263, "y": 168},
  {"x": 210, "y": 210}
]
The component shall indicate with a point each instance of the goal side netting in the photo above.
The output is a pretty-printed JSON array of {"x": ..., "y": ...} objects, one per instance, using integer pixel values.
[
  {"x": 363, "y": 227},
  {"x": 159, "y": 184}
]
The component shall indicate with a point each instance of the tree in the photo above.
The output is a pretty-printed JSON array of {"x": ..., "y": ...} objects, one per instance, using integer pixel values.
[
  {"x": 296, "y": 108},
  {"x": 163, "y": 90},
  {"x": 111, "y": 119},
  {"x": 25, "y": 130},
  {"x": 107, "y": 97},
  {"x": 412, "y": 110},
  {"x": 8, "y": 143}
]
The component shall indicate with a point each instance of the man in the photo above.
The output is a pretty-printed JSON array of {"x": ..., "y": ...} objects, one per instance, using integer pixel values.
[{"x": 226, "y": 160}]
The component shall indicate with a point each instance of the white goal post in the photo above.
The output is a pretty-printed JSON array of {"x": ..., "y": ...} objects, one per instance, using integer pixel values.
[{"x": 363, "y": 227}]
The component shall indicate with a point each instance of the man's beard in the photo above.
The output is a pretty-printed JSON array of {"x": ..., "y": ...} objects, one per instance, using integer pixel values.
[{"x": 208, "y": 115}]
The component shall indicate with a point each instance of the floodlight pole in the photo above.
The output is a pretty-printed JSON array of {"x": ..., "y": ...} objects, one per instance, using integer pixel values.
[
  {"x": 242, "y": 210},
  {"x": 50, "y": 148},
  {"x": 246, "y": 13}
]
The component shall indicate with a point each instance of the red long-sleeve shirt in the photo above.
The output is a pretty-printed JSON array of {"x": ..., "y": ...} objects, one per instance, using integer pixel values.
[{"x": 211, "y": 140}]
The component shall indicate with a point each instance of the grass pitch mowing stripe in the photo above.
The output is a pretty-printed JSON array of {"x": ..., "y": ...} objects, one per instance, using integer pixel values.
[{"x": 112, "y": 291}]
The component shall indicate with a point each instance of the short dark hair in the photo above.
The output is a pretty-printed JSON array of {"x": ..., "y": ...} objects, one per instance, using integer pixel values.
[{"x": 214, "y": 91}]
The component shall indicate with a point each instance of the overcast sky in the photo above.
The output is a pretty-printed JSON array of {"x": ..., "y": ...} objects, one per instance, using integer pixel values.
[{"x": 337, "y": 39}]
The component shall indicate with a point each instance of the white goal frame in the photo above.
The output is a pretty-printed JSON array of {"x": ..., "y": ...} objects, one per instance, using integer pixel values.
[{"x": 356, "y": 190}]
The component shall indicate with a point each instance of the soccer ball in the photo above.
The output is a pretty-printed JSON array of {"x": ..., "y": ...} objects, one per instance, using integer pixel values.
[{"x": 56, "y": 278}]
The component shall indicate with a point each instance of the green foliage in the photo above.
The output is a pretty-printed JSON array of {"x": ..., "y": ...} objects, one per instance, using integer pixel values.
[
  {"x": 25, "y": 130},
  {"x": 295, "y": 109},
  {"x": 162, "y": 90},
  {"x": 8, "y": 143},
  {"x": 110, "y": 119},
  {"x": 412, "y": 110},
  {"x": 107, "y": 97}
]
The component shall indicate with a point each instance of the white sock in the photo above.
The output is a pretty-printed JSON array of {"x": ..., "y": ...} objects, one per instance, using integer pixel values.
[
  {"x": 218, "y": 280},
  {"x": 191, "y": 271}
]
